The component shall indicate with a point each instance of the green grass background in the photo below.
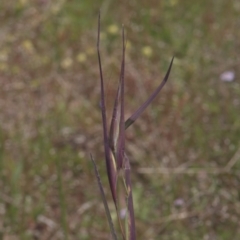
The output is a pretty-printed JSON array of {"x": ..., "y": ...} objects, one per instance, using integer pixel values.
[{"x": 50, "y": 118}]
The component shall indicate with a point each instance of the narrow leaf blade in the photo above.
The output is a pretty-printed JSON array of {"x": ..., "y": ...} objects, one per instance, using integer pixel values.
[
  {"x": 121, "y": 140},
  {"x": 139, "y": 111},
  {"x": 104, "y": 199},
  {"x": 115, "y": 121},
  {"x": 111, "y": 169}
]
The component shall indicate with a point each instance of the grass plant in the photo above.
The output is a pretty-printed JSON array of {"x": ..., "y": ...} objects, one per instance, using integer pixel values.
[{"x": 117, "y": 163}]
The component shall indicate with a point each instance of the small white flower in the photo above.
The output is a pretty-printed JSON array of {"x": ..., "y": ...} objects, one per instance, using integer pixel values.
[
  {"x": 227, "y": 76},
  {"x": 179, "y": 202}
]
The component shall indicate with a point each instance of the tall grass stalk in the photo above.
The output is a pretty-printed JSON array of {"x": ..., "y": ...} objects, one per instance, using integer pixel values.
[{"x": 117, "y": 163}]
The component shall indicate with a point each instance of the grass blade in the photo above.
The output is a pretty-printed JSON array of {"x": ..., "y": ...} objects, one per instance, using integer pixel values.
[
  {"x": 110, "y": 222},
  {"x": 121, "y": 140},
  {"x": 110, "y": 163},
  {"x": 135, "y": 115},
  {"x": 114, "y": 127}
]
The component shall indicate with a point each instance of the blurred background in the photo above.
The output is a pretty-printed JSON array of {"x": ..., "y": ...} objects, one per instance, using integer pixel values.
[{"x": 184, "y": 149}]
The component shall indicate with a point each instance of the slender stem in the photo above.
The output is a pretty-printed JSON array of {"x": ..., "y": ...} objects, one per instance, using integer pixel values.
[{"x": 110, "y": 222}]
